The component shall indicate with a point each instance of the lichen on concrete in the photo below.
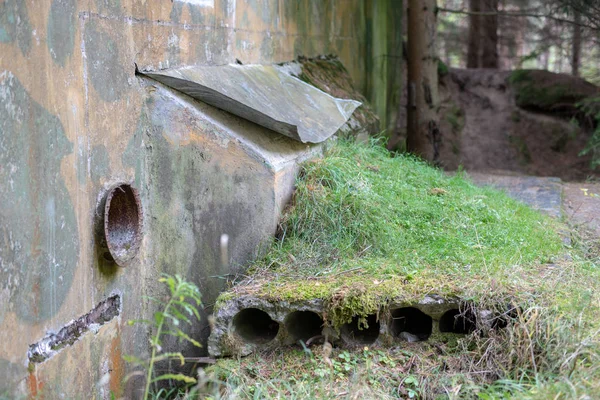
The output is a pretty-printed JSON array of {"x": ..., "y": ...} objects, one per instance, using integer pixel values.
[
  {"x": 70, "y": 333},
  {"x": 61, "y": 30},
  {"x": 37, "y": 212}
]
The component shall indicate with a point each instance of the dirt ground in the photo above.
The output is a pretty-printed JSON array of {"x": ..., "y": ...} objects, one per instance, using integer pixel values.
[
  {"x": 581, "y": 204},
  {"x": 484, "y": 130}
]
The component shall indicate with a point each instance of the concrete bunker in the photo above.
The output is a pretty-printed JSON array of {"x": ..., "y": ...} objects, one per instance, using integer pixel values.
[
  {"x": 303, "y": 325},
  {"x": 455, "y": 321},
  {"x": 123, "y": 223},
  {"x": 361, "y": 330},
  {"x": 255, "y": 326},
  {"x": 410, "y": 324}
]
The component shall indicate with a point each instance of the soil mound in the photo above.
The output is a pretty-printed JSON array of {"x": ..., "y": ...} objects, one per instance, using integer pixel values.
[{"x": 516, "y": 122}]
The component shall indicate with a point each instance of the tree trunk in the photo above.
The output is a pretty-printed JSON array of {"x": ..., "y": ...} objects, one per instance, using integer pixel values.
[
  {"x": 489, "y": 37},
  {"x": 518, "y": 27},
  {"x": 474, "y": 34},
  {"x": 576, "y": 51},
  {"x": 423, "y": 135},
  {"x": 560, "y": 56}
]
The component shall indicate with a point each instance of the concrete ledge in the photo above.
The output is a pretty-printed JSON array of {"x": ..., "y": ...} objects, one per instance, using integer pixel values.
[{"x": 250, "y": 323}]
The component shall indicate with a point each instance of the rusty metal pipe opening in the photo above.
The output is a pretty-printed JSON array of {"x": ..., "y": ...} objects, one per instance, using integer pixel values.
[
  {"x": 410, "y": 324},
  {"x": 453, "y": 321},
  {"x": 123, "y": 223},
  {"x": 361, "y": 330},
  {"x": 303, "y": 325},
  {"x": 255, "y": 326}
]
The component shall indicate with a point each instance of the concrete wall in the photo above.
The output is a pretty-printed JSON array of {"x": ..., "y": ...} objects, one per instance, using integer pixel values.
[
  {"x": 75, "y": 120},
  {"x": 383, "y": 60}
]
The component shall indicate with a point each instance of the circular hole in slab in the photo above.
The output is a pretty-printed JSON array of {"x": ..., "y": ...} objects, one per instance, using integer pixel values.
[
  {"x": 303, "y": 325},
  {"x": 499, "y": 322},
  {"x": 255, "y": 326},
  {"x": 410, "y": 324},
  {"x": 122, "y": 223},
  {"x": 361, "y": 330},
  {"x": 453, "y": 321}
]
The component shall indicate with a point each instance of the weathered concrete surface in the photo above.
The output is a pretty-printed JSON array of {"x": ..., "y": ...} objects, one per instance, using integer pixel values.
[
  {"x": 75, "y": 120},
  {"x": 329, "y": 74},
  {"x": 265, "y": 95},
  {"x": 384, "y": 61}
]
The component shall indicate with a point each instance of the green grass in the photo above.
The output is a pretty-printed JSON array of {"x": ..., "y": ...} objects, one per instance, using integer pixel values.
[
  {"x": 363, "y": 223},
  {"x": 367, "y": 227},
  {"x": 361, "y": 204}
]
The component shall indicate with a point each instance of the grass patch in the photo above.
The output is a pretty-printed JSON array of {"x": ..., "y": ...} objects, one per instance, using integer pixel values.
[{"x": 366, "y": 228}]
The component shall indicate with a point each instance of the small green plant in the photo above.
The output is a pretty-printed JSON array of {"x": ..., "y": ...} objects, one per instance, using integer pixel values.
[
  {"x": 442, "y": 68},
  {"x": 521, "y": 146},
  {"x": 411, "y": 386},
  {"x": 455, "y": 118},
  {"x": 180, "y": 308}
]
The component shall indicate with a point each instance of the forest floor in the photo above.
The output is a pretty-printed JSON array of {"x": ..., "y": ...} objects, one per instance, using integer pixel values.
[
  {"x": 357, "y": 237},
  {"x": 582, "y": 205},
  {"x": 520, "y": 122},
  {"x": 578, "y": 202}
]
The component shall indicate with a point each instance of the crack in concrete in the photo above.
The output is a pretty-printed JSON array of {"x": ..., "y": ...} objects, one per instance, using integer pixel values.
[{"x": 52, "y": 343}]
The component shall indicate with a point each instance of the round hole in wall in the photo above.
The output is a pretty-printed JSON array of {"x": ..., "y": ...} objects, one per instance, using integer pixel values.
[
  {"x": 410, "y": 324},
  {"x": 255, "y": 326},
  {"x": 361, "y": 330},
  {"x": 303, "y": 325},
  {"x": 454, "y": 321},
  {"x": 123, "y": 223}
]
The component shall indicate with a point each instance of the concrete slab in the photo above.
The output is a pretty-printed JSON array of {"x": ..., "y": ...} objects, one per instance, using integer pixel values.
[{"x": 264, "y": 95}]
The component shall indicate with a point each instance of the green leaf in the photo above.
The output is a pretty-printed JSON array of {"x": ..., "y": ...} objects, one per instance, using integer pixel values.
[
  {"x": 134, "y": 360},
  {"x": 175, "y": 377},
  {"x": 159, "y": 317},
  {"x": 167, "y": 356},
  {"x": 185, "y": 336},
  {"x": 179, "y": 315},
  {"x": 191, "y": 310},
  {"x": 139, "y": 321}
]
